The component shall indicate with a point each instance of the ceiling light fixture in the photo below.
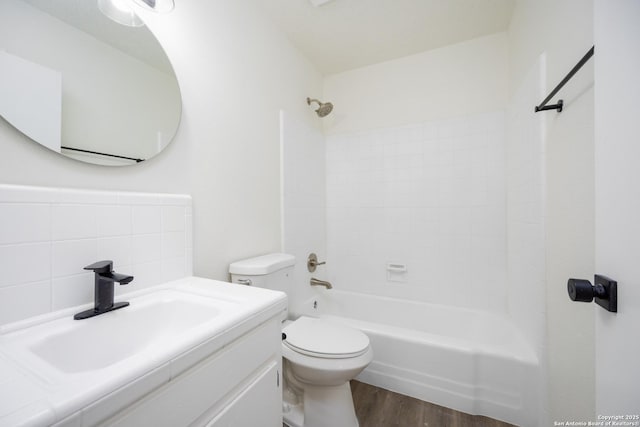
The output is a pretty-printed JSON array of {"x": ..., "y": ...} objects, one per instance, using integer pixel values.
[
  {"x": 120, "y": 11},
  {"x": 159, "y": 6}
]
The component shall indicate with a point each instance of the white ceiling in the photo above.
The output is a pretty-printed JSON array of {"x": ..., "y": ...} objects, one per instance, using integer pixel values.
[
  {"x": 337, "y": 36},
  {"x": 346, "y": 34}
]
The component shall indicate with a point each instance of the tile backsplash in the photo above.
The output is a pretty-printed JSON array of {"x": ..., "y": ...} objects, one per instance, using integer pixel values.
[{"x": 47, "y": 236}]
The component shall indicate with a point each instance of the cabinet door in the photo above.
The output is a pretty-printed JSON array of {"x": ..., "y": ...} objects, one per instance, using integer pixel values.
[
  {"x": 204, "y": 390},
  {"x": 259, "y": 404}
]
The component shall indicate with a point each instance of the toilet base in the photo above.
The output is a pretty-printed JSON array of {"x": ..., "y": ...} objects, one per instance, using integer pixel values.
[
  {"x": 325, "y": 406},
  {"x": 292, "y": 415}
]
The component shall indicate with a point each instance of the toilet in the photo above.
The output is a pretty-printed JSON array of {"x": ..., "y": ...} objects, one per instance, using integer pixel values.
[{"x": 320, "y": 356}]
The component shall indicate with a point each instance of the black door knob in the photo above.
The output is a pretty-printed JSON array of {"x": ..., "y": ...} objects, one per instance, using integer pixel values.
[
  {"x": 605, "y": 292},
  {"x": 583, "y": 291}
]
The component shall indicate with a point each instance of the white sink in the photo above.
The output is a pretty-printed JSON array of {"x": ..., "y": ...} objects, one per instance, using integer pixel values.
[
  {"x": 97, "y": 342},
  {"x": 53, "y": 366},
  {"x": 158, "y": 325},
  {"x": 155, "y": 326}
]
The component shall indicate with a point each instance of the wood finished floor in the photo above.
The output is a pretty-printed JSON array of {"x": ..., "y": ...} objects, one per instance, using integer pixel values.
[{"x": 376, "y": 407}]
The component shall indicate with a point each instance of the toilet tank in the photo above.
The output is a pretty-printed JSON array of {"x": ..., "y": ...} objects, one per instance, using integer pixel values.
[{"x": 272, "y": 271}]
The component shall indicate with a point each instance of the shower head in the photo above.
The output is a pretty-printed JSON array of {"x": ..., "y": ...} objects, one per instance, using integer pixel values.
[{"x": 324, "y": 108}]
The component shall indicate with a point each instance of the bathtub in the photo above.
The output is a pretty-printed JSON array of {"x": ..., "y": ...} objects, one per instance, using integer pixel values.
[{"x": 468, "y": 360}]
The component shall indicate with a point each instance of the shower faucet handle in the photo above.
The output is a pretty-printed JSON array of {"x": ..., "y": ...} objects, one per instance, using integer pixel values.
[{"x": 312, "y": 262}]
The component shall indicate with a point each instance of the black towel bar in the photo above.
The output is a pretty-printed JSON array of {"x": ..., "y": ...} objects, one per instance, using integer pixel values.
[{"x": 558, "y": 107}]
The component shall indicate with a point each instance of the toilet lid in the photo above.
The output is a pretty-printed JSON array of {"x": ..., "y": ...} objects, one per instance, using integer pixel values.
[{"x": 324, "y": 338}]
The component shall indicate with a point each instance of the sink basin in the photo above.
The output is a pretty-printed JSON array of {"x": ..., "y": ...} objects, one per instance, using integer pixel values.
[
  {"x": 98, "y": 342},
  {"x": 153, "y": 327},
  {"x": 52, "y": 366}
]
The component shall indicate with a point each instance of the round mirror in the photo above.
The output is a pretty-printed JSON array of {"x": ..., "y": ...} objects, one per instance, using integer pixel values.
[{"x": 80, "y": 84}]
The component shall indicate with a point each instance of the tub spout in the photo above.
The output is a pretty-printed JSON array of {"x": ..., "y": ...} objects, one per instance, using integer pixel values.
[{"x": 318, "y": 282}]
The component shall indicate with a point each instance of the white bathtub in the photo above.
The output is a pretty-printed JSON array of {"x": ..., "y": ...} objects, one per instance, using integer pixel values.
[{"x": 468, "y": 360}]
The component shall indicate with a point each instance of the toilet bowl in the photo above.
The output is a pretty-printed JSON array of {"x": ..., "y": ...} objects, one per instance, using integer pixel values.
[{"x": 320, "y": 356}]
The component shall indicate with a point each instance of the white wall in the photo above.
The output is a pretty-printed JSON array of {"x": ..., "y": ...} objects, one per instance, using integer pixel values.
[
  {"x": 563, "y": 31},
  {"x": 303, "y": 200},
  {"x": 457, "y": 80},
  {"x": 119, "y": 100},
  {"x": 617, "y": 196},
  {"x": 236, "y": 71},
  {"x": 431, "y": 197}
]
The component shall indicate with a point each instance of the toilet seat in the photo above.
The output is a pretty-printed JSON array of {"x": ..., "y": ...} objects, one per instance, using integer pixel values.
[{"x": 325, "y": 339}]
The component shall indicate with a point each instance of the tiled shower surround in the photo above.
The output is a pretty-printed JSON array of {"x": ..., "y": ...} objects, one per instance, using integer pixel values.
[
  {"x": 430, "y": 197},
  {"x": 47, "y": 236}
]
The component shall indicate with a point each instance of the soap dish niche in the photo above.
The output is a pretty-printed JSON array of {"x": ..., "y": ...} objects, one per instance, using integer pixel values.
[{"x": 397, "y": 272}]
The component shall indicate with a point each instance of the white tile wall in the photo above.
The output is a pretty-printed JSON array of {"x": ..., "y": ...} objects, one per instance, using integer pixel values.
[
  {"x": 430, "y": 196},
  {"x": 526, "y": 209},
  {"x": 47, "y": 236}
]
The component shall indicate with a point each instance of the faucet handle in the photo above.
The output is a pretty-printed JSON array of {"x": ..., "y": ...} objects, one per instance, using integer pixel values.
[
  {"x": 101, "y": 267},
  {"x": 312, "y": 262}
]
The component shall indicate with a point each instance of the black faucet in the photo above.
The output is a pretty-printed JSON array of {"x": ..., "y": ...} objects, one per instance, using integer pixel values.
[{"x": 104, "y": 284}]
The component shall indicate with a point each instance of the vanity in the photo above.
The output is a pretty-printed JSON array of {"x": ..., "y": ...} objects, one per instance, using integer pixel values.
[{"x": 189, "y": 352}]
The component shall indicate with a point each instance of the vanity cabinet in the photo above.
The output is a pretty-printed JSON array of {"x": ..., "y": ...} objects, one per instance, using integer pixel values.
[
  {"x": 257, "y": 405},
  {"x": 237, "y": 386}
]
